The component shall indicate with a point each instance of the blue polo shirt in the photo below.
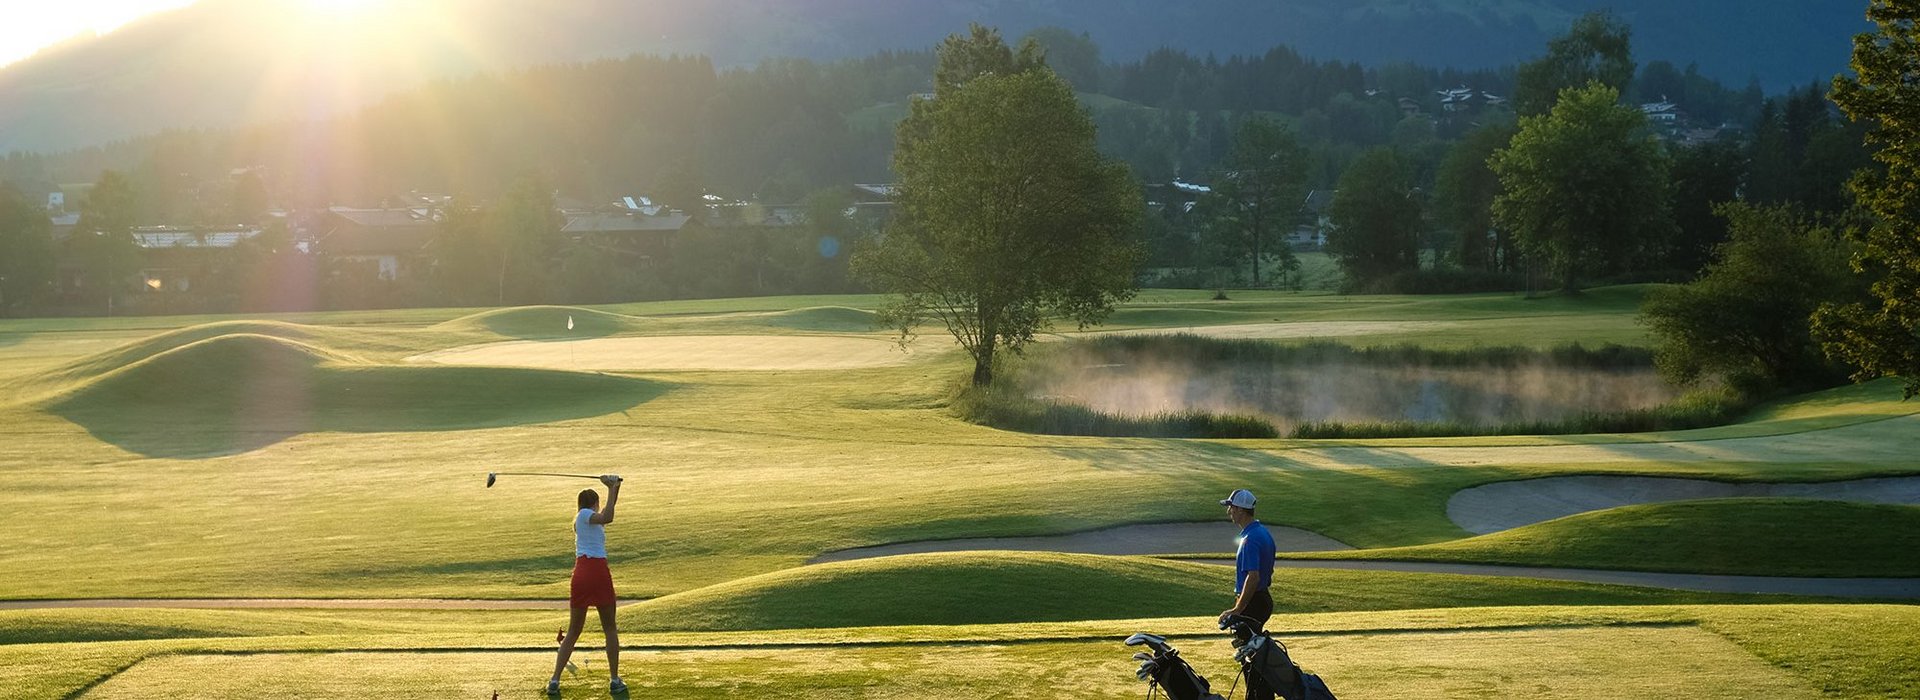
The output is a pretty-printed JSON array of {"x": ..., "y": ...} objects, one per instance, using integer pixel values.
[{"x": 1255, "y": 554}]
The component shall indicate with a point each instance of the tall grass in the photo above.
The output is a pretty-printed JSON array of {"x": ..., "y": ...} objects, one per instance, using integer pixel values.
[
  {"x": 1700, "y": 409},
  {"x": 1011, "y": 409},
  {"x": 1199, "y": 349}
]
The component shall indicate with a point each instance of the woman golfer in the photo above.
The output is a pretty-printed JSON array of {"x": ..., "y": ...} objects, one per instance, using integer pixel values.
[{"x": 592, "y": 583}]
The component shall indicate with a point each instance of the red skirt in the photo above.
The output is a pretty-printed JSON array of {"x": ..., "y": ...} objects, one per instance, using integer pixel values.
[{"x": 592, "y": 583}]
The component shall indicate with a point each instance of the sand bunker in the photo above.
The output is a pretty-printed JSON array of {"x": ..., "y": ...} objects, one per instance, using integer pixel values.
[
  {"x": 680, "y": 353},
  {"x": 1510, "y": 504},
  {"x": 1164, "y": 538},
  {"x": 1305, "y": 329}
]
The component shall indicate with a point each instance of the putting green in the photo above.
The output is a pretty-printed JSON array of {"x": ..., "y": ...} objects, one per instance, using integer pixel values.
[
  {"x": 1569, "y": 663},
  {"x": 672, "y": 353}
]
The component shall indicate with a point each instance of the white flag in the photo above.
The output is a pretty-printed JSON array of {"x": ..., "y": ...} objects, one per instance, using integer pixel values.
[{"x": 569, "y": 321}]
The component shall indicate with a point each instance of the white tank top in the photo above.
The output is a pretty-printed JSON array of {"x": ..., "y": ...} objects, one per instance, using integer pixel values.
[{"x": 589, "y": 538}]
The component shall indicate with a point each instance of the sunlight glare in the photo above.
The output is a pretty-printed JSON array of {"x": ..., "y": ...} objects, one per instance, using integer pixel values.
[{"x": 342, "y": 7}]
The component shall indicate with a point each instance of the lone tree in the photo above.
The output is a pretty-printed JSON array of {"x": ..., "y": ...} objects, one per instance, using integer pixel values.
[
  {"x": 1882, "y": 337},
  {"x": 1263, "y": 189},
  {"x": 1584, "y": 186},
  {"x": 1007, "y": 215},
  {"x": 1376, "y": 218}
]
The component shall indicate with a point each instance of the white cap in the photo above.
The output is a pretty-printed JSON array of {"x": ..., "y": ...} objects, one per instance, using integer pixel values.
[{"x": 1241, "y": 498}]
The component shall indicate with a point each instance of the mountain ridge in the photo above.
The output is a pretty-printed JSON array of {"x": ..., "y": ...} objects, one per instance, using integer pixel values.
[{"x": 225, "y": 62}]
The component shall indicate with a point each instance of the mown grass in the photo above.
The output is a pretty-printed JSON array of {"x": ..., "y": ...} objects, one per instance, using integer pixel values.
[
  {"x": 1845, "y": 651},
  {"x": 970, "y": 588},
  {"x": 813, "y": 462},
  {"x": 1738, "y": 536},
  {"x": 258, "y": 389}
]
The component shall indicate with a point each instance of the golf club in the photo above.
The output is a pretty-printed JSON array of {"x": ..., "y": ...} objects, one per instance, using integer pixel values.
[{"x": 492, "y": 476}]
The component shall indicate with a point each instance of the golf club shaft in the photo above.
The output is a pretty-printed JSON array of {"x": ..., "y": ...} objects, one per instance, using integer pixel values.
[{"x": 567, "y": 476}]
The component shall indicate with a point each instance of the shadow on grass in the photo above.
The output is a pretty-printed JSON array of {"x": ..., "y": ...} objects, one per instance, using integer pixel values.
[{"x": 201, "y": 409}]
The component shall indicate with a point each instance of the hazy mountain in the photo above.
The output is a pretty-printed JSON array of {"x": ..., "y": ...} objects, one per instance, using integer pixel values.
[{"x": 227, "y": 61}]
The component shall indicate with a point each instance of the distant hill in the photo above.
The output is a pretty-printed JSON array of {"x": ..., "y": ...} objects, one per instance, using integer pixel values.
[{"x": 222, "y": 62}]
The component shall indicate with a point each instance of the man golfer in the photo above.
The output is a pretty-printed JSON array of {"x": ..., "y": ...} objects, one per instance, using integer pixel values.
[
  {"x": 1252, "y": 563},
  {"x": 592, "y": 583},
  {"x": 1252, "y": 574}
]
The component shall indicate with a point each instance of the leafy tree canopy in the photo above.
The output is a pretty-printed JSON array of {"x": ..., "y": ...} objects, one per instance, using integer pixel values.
[
  {"x": 1007, "y": 215},
  {"x": 1584, "y": 187}
]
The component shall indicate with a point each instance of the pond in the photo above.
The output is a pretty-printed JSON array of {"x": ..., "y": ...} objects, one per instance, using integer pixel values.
[{"x": 1291, "y": 388}]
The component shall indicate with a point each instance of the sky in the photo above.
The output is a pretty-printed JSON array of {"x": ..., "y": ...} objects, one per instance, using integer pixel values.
[{"x": 27, "y": 26}]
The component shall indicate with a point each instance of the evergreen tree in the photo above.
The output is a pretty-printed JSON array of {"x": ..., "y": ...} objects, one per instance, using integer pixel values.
[{"x": 1882, "y": 336}]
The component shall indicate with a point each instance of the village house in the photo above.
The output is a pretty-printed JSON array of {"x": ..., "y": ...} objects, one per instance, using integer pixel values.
[{"x": 394, "y": 240}]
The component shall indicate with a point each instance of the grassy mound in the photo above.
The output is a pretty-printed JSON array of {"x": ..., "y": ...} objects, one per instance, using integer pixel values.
[
  {"x": 252, "y": 387},
  {"x": 825, "y": 319},
  {"x": 116, "y": 358},
  {"x": 1738, "y": 536},
  {"x": 955, "y": 588},
  {"x": 544, "y": 322}
]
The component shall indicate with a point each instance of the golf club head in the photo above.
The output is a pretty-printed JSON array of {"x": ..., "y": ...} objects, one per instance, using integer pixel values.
[
  {"x": 1153, "y": 641},
  {"x": 1142, "y": 656},
  {"x": 490, "y": 478}
]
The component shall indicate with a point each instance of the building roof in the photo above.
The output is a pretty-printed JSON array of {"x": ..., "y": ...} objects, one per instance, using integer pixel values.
[
  {"x": 1191, "y": 188},
  {"x": 614, "y": 222},
  {"x": 885, "y": 191},
  {"x": 382, "y": 217},
  {"x": 1319, "y": 200},
  {"x": 376, "y": 231},
  {"x": 169, "y": 237}
]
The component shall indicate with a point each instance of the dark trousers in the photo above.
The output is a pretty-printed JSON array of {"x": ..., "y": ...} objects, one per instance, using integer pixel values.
[{"x": 1259, "y": 607}]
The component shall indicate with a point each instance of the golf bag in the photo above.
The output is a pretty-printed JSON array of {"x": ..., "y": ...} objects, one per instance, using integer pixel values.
[
  {"x": 1163, "y": 669},
  {"x": 1264, "y": 660}
]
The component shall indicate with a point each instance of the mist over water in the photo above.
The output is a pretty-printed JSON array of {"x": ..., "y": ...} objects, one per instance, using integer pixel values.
[{"x": 1140, "y": 384}]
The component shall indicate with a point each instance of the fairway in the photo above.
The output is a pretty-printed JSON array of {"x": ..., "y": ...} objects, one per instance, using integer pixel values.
[
  {"x": 1555, "y": 664},
  {"x": 668, "y": 353},
  {"x": 764, "y": 440}
]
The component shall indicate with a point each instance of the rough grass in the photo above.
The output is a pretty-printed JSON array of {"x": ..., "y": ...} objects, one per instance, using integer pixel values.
[{"x": 1737, "y": 536}]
